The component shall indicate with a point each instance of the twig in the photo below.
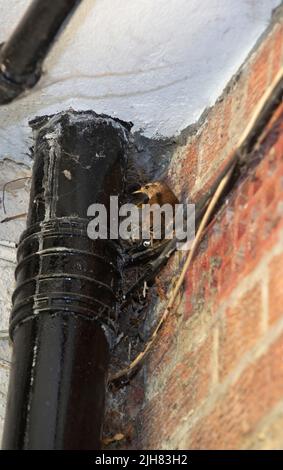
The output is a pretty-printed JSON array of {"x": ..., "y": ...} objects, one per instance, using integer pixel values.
[
  {"x": 13, "y": 217},
  {"x": 7, "y": 244},
  {"x": 5, "y": 186}
]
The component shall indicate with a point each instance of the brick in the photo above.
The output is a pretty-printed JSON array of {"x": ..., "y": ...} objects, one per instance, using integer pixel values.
[
  {"x": 214, "y": 137},
  {"x": 270, "y": 194},
  {"x": 240, "y": 329},
  {"x": 213, "y": 273},
  {"x": 183, "y": 172},
  {"x": 151, "y": 424},
  {"x": 193, "y": 374},
  {"x": 190, "y": 167},
  {"x": 226, "y": 274},
  {"x": 258, "y": 75},
  {"x": 226, "y": 119},
  {"x": 237, "y": 413},
  {"x": 256, "y": 184},
  {"x": 228, "y": 233},
  {"x": 277, "y": 58},
  {"x": 239, "y": 258},
  {"x": 276, "y": 289},
  {"x": 238, "y": 99},
  {"x": 186, "y": 386},
  {"x": 269, "y": 435},
  {"x": 162, "y": 352}
]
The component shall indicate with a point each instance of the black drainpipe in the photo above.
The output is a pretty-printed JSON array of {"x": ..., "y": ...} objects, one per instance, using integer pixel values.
[
  {"x": 21, "y": 56},
  {"x": 64, "y": 304}
]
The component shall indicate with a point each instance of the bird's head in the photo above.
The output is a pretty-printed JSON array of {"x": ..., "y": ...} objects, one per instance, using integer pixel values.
[
  {"x": 157, "y": 192},
  {"x": 150, "y": 189}
]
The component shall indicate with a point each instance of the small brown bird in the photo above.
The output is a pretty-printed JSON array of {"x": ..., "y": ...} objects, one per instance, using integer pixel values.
[{"x": 157, "y": 192}]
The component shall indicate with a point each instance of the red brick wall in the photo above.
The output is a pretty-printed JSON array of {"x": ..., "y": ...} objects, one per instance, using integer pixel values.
[{"x": 214, "y": 378}]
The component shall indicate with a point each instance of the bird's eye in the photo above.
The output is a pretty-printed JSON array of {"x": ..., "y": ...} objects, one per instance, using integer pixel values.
[{"x": 146, "y": 243}]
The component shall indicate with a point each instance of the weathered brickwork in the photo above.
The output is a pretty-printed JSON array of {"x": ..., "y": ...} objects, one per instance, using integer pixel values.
[{"x": 214, "y": 378}]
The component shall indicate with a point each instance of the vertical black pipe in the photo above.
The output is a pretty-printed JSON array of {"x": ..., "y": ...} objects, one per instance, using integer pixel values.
[
  {"x": 64, "y": 304},
  {"x": 21, "y": 56}
]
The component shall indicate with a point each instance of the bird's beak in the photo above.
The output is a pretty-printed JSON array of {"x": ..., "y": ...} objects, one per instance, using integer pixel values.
[
  {"x": 139, "y": 191},
  {"x": 141, "y": 196}
]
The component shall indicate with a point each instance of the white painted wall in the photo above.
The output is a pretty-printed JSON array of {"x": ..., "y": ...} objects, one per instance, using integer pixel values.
[{"x": 158, "y": 63}]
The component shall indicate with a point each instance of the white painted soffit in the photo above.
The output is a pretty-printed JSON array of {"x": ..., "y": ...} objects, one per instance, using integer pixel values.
[{"x": 157, "y": 63}]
